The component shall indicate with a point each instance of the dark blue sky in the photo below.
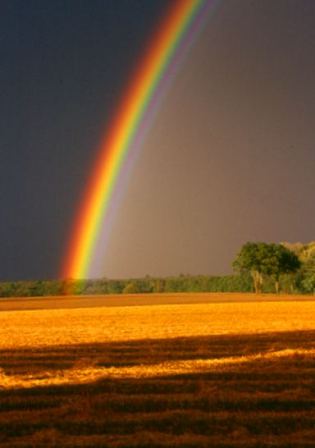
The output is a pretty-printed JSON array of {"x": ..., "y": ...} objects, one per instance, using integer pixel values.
[
  {"x": 63, "y": 67},
  {"x": 230, "y": 159}
]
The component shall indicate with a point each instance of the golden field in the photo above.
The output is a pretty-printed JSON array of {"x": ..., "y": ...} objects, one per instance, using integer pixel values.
[
  {"x": 47, "y": 327},
  {"x": 202, "y": 370}
]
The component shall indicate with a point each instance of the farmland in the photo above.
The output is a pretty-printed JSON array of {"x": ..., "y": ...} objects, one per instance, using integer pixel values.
[{"x": 177, "y": 371}]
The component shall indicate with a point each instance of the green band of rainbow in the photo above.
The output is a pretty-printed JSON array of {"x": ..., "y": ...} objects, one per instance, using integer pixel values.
[{"x": 93, "y": 209}]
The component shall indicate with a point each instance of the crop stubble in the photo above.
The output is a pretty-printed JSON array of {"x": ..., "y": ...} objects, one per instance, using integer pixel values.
[
  {"x": 194, "y": 375},
  {"x": 39, "y": 328}
]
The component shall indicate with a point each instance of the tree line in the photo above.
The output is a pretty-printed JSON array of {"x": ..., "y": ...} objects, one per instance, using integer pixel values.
[
  {"x": 146, "y": 285},
  {"x": 258, "y": 267}
]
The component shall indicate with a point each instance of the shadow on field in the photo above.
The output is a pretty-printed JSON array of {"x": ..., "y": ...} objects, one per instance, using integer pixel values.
[
  {"x": 149, "y": 351},
  {"x": 265, "y": 403}
]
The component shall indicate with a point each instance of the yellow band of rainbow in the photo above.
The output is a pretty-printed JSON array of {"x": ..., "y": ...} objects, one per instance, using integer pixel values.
[{"x": 94, "y": 206}]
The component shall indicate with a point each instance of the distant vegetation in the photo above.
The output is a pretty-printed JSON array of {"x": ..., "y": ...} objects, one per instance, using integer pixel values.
[
  {"x": 182, "y": 283},
  {"x": 259, "y": 267}
]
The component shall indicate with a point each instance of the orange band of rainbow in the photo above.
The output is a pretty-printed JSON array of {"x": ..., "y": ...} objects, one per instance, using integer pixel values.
[{"x": 113, "y": 151}]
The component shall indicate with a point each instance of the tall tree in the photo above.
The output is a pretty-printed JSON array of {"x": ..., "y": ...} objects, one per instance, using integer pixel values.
[
  {"x": 279, "y": 261},
  {"x": 262, "y": 259},
  {"x": 249, "y": 261}
]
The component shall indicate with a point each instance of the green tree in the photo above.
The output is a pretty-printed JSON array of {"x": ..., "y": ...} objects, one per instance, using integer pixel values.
[
  {"x": 130, "y": 288},
  {"x": 249, "y": 260},
  {"x": 266, "y": 260},
  {"x": 308, "y": 269},
  {"x": 279, "y": 261},
  {"x": 306, "y": 254}
]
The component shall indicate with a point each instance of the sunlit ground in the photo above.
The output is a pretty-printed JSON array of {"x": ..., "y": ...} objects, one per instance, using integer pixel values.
[
  {"x": 40, "y": 328},
  {"x": 236, "y": 373}
]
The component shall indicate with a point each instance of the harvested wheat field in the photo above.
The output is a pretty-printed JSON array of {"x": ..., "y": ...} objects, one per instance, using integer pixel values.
[{"x": 205, "y": 370}]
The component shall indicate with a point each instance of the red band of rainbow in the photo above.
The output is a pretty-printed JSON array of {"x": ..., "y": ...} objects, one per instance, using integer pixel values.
[{"x": 181, "y": 19}]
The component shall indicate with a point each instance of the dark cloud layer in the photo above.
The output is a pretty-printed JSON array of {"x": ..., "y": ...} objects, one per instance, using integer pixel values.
[{"x": 230, "y": 158}]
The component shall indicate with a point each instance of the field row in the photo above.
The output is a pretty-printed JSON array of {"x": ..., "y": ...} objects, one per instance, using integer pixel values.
[{"x": 267, "y": 401}]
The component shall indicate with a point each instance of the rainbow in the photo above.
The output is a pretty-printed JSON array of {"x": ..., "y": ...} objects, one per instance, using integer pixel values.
[{"x": 139, "y": 102}]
